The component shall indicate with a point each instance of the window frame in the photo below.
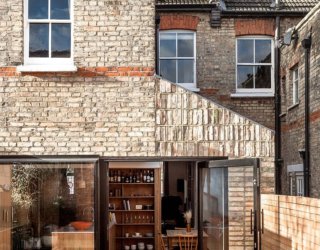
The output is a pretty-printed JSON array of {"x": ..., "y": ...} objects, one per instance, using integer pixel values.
[
  {"x": 49, "y": 63},
  {"x": 191, "y": 86},
  {"x": 295, "y": 85},
  {"x": 255, "y": 91}
]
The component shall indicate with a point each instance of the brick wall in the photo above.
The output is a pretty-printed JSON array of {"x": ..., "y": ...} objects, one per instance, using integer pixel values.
[
  {"x": 106, "y": 33},
  {"x": 293, "y": 116},
  {"x": 188, "y": 124},
  {"x": 290, "y": 222}
]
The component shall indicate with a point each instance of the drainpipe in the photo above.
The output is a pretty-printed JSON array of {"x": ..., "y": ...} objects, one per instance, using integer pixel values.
[
  {"x": 157, "y": 23},
  {"x": 306, "y": 44},
  {"x": 277, "y": 125}
]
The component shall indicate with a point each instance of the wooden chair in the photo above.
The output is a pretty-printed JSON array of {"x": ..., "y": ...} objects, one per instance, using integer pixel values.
[
  {"x": 163, "y": 246},
  {"x": 188, "y": 242}
]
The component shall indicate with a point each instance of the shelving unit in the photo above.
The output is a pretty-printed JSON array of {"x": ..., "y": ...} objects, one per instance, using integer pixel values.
[{"x": 136, "y": 208}]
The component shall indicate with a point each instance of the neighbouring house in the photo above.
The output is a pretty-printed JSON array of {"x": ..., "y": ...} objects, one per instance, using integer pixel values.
[
  {"x": 93, "y": 142},
  {"x": 300, "y": 115}
]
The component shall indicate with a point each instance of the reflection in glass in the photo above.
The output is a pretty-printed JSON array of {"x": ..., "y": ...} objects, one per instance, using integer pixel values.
[
  {"x": 60, "y": 9},
  {"x": 263, "y": 76},
  {"x": 185, "y": 71},
  {"x": 45, "y": 213},
  {"x": 39, "y": 40},
  {"x": 167, "y": 45},
  {"x": 245, "y": 77},
  {"x": 61, "y": 40},
  {"x": 245, "y": 51},
  {"x": 185, "y": 45},
  {"x": 263, "y": 51},
  {"x": 168, "y": 69},
  {"x": 38, "y": 9}
]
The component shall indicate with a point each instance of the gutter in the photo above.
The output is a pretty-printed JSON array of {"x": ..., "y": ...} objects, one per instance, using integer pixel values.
[{"x": 185, "y": 7}]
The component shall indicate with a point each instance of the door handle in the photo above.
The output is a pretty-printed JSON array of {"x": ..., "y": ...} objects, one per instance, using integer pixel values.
[
  {"x": 262, "y": 221},
  {"x": 251, "y": 228}
]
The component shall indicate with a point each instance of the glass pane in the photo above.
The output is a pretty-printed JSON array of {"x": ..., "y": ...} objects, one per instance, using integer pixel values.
[
  {"x": 60, "y": 9},
  {"x": 39, "y": 40},
  {"x": 167, "y": 44},
  {"x": 227, "y": 204},
  {"x": 263, "y": 51},
  {"x": 168, "y": 70},
  {"x": 263, "y": 76},
  {"x": 185, "y": 45},
  {"x": 47, "y": 209},
  {"x": 245, "y": 76},
  {"x": 245, "y": 51},
  {"x": 61, "y": 40},
  {"x": 38, "y": 9},
  {"x": 185, "y": 71}
]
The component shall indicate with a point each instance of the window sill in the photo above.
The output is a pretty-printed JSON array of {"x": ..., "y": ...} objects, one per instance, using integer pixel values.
[
  {"x": 252, "y": 95},
  {"x": 47, "y": 68},
  {"x": 293, "y": 106}
]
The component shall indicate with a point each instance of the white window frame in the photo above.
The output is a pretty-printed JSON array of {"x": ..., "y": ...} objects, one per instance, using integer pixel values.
[
  {"x": 47, "y": 64},
  {"x": 295, "y": 85},
  {"x": 261, "y": 92},
  {"x": 191, "y": 86}
]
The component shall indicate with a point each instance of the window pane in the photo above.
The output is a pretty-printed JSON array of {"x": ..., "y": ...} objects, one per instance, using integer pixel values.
[
  {"x": 245, "y": 77},
  {"x": 61, "y": 40},
  {"x": 167, "y": 45},
  {"x": 168, "y": 69},
  {"x": 263, "y": 77},
  {"x": 60, "y": 9},
  {"x": 38, "y": 9},
  {"x": 245, "y": 51},
  {"x": 185, "y": 45},
  {"x": 39, "y": 40},
  {"x": 44, "y": 209},
  {"x": 263, "y": 51},
  {"x": 185, "y": 71}
]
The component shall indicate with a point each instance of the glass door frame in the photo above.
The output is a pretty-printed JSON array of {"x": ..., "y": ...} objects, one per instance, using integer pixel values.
[{"x": 246, "y": 162}]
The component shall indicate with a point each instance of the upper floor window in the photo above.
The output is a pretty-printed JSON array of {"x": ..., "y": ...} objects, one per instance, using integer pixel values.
[
  {"x": 48, "y": 32},
  {"x": 254, "y": 65},
  {"x": 177, "y": 57},
  {"x": 295, "y": 86}
]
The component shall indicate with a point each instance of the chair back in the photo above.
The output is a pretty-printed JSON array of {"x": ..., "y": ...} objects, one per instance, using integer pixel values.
[
  {"x": 162, "y": 244},
  {"x": 188, "y": 242}
]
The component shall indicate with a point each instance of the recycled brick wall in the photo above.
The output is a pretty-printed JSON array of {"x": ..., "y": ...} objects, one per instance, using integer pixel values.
[
  {"x": 290, "y": 222},
  {"x": 293, "y": 116},
  {"x": 189, "y": 125}
]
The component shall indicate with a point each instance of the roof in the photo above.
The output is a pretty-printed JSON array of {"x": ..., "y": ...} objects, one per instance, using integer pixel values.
[{"x": 246, "y": 5}]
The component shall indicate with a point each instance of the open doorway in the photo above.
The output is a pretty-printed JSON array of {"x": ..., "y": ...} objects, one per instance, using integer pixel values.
[{"x": 178, "y": 193}]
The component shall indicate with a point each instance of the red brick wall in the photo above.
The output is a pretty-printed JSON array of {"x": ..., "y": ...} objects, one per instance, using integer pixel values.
[
  {"x": 183, "y": 22},
  {"x": 245, "y": 27}
]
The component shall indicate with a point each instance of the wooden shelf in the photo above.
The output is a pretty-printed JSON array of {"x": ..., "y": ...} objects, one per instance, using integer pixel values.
[
  {"x": 130, "y": 197},
  {"x": 134, "y": 238},
  {"x": 131, "y": 183},
  {"x": 134, "y": 224},
  {"x": 122, "y": 210}
]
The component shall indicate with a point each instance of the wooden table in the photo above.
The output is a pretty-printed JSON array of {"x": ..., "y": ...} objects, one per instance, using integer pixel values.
[{"x": 173, "y": 238}]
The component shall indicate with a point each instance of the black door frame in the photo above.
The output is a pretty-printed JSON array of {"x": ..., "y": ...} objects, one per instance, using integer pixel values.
[{"x": 246, "y": 162}]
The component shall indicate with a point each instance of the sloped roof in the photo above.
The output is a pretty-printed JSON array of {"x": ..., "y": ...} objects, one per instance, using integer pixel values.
[{"x": 247, "y": 5}]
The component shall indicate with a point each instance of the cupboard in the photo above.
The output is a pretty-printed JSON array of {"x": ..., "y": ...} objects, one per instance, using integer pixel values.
[{"x": 134, "y": 206}]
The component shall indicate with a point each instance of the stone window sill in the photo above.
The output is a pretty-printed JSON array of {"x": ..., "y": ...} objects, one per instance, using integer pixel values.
[
  {"x": 47, "y": 68},
  {"x": 251, "y": 95},
  {"x": 293, "y": 106}
]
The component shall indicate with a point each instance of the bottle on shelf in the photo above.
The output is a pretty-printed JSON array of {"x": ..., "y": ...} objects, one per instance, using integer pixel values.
[
  {"x": 119, "y": 177},
  {"x": 151, "y": 177},
  {"x": 144, "y": 176}
]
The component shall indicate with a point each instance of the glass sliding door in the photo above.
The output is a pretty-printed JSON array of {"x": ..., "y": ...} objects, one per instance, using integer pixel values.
[
  {"x": 230, "y": 201},
  {"x": 47, "y": 206}
]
